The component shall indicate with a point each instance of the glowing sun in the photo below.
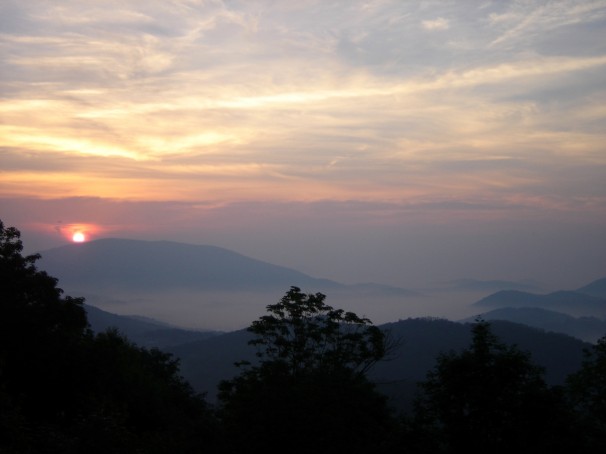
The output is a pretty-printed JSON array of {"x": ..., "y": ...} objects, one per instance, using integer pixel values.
[{"x": 78, "y": 237}]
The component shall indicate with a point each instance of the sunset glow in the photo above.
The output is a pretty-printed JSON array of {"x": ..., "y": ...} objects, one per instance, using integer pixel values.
[{"x": 346, "y": 123}]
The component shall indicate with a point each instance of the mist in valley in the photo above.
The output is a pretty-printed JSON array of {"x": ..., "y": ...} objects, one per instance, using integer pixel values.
[{"x": 227, "y": 311}]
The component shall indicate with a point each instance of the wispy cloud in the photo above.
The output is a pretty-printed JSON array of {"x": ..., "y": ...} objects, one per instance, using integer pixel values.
[
  {"x": 527, "y": 20},
  {"x": 417, "y": 105}
]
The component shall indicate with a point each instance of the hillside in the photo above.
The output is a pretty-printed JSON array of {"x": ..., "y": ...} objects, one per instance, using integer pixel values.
[
  {"x": 192, "y": 286},
  {"x": 589, "y": 329},
  {"x": 144, "y": 265},
  {"x": 206, "y": 362},
  {"x": 582, "y": 302},
  {"x": 596, "y": 288},
  {"x": 491, "y": 285},
  {"x": 143, "y": 332}
]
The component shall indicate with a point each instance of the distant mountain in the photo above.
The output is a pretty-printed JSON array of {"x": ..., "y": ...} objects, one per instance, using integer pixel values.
[
  {"x": 100, "y": 320},
  {"x": 134, "y": 264},
  {"x": 198, "y": 287},
  {"x": 369, "y": 287},
  {"x": 513, "y": 298},
  {"x": 589, "y": 329},
  {"x": 204, "y": 363},
  {"x": 570, "y": 302},
  {"x": 491, "y": 285},
  {"x": 596, "y": 288},
  {"x": 147, "y": 265},
  {"x": 144, "y": 332},
  {"x": 208, "y": 357}
]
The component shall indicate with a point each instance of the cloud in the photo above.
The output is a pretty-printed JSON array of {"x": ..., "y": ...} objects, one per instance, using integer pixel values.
[
  {"x": 312, "y": 107},
  {"x": 436, "y": 24},
  {"x": 525, "y": 20}
]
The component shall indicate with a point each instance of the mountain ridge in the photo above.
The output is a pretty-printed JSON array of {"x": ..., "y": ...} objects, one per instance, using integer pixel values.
[
  {"x": 582, "y": 301},
  {"x": 143, "y": 331},
  {"x": 588, "y": 329},
  {"x": 204, "y": 363},
  {"x": 137, "y": 263},
  {"x": 196, "y": 286},
  {"x": 169, "y": 264},
  {"x": 596, "y": 288}
]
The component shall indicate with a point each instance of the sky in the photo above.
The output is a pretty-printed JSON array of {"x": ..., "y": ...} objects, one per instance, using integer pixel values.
[{"x": 400, "y": 142}]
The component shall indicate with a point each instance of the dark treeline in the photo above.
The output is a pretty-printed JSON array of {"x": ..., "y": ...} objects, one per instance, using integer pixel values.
[{"x": 64, "y": 389}]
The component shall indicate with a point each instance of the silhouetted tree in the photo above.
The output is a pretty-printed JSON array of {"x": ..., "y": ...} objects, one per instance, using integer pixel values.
[
  {"x": 65, "y": 390},
  {"x": 40, "y": 330},
  {"x": 309, "y": 392},
  {"x": 305, "y": 334},
  {"x": 488, "y": 398},
  {"x": 587, "y": 392},
  {"x": 140, "y": 394}
]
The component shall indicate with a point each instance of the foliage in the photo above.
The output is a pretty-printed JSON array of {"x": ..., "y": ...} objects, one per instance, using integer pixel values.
[
  {"x": 587, "y": 393},
  {"x": 309, "y": 392},
  {"x": 306, "y": 334},
  {"x": 64, "y": 390},
  {"x": 489, "y": 397},
  {"x": 140, "y": 392},
  {"x": 32, "y": 304},
  {"x": 39, "y": 331}
]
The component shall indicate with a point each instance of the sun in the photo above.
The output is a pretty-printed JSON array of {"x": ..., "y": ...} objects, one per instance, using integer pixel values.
[{"x": 78, "y": 237}]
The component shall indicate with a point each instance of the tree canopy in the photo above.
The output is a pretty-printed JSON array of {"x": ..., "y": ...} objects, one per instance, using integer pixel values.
[
  {"x": 33, "y": 306},
  {"x": 587, "y": 392},
  {"x": 65, "y": 390},
  {"x": 305, "y": 334},
  {"x": 308, "y": 392},
  {"x": 490, "y": 397}
]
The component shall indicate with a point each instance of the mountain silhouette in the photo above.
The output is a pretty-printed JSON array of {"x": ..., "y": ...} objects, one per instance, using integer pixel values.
[
  {"x": 193, "y": 286},
  {"x": 491, "y": 285},
  {"x": 584, "y": 301},
  {"x": 135, "y": 264},
  {"x": 205, "y": 362},
  {"x": 589, "y": 329},
  {"x": 596, "y": 288},
  {"x": 144, "y": 332}
]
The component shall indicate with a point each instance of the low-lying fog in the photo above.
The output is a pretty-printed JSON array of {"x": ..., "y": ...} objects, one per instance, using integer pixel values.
[{"x": 227, "y": 311}]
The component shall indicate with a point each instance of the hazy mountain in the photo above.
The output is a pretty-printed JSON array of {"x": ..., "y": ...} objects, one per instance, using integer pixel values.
[
  {"x": 370, "y": 287},
  {"x": 144, "y": 332},
  {"x": 204, "y": 363},
  {"x": 145, "y": 265},
  {"x": 570, "y": 302},
  {"x": 491, "y": 285},
  {"x": 100, "y": 320},
  {"x": 513, "y": 298},
  {"x": 589, "y": 329},
  {"x": 596, "y": 288},
  {"x": 198, "y": 287}
]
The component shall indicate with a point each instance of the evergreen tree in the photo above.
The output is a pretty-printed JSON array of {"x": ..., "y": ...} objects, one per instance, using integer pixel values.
[
  {"x": 587, "y": 393},
  {"x": 489, "y": 397}
]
